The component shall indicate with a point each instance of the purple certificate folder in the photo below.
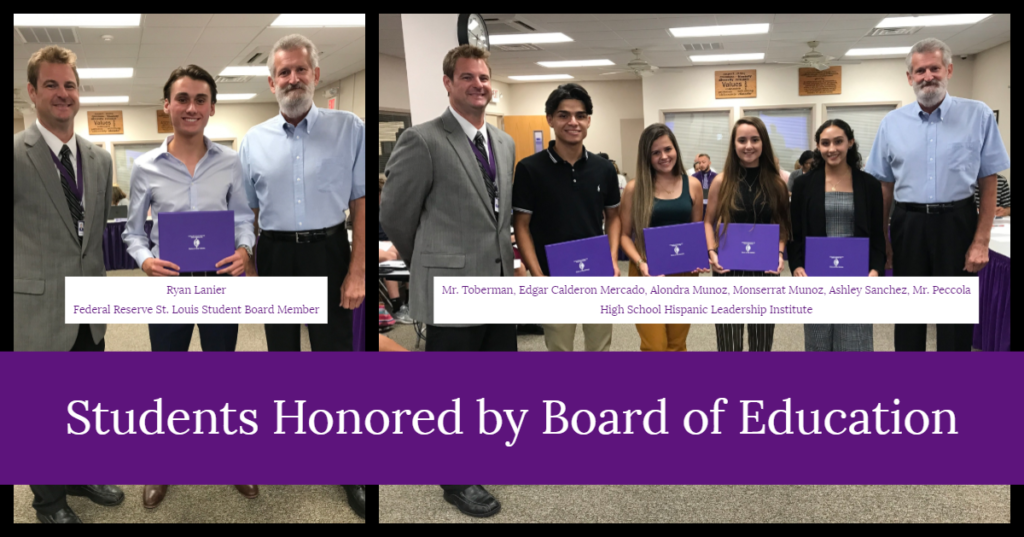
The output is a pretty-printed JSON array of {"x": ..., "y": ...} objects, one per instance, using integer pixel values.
[
  {"x": 197, "y": 240},
  {"x": 675, "y": 249},
  {"x": 836, "y": 256},
  {"x": 585, "y": 257},
  {"x": 749, "y": 247}
]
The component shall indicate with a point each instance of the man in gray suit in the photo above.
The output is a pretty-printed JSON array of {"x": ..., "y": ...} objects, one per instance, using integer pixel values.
[
  {"x": 446, "y": 207},
  {"x": 62, "y": 193}
]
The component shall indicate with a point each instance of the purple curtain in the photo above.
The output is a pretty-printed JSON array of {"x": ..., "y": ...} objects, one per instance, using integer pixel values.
[{"x": 992, "y": 333}]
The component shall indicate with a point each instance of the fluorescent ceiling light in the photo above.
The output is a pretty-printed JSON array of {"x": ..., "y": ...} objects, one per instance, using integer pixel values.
[
  {"x": 728, "y": 57},
  {"x": 97, "y": 100},
  {"x": 729, "y": 29},
  {"x": 106, "y": 73},
  {"x": 931, "y": 20},
  {"x": 577, "y": 63},
  {"x": 541, "y": 77},
  {"x": 320, "y": 21},
  {"x": 245, "y": 71},
  {"x": 234, "y": 96},
  {"x": 902, "y": 51},
  {"x": 512, "y": 39},
  {"x": 82, "y": 21}
]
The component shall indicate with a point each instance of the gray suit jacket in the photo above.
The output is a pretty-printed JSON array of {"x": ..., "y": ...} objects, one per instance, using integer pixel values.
[
  {"x": 436, "y": 211},
  {"x": 46, "y": 245}
]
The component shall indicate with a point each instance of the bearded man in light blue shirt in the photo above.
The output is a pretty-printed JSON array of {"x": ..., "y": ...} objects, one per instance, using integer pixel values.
[{"x": 930, "y": 156}]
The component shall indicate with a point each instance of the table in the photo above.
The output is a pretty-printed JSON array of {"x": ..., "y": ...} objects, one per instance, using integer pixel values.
[{"x": 115, "y": 254}]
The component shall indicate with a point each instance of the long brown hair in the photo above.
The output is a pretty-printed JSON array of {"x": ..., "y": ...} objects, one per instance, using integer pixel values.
[
  {"x": 643, "y": 190},
  {"x": 769, "y": 179}
]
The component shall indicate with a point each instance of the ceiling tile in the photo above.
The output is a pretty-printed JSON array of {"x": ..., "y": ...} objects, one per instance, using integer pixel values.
[
  {"x": 876, "y": 17},
  {"x": 800, "y": 17},
  {"x": 175, "y": 20},
  {"x": 165, "y": 50},
  {"x": 556, "y": 17},
  {"x": 627, "y": 16},
  {"x": 787, "y": 27},
  {"x": 856, "y": 24},
  {"x": 568, "y": 27},
  {"x": 651, "y": 35},
  {"x": 243, "y": 19},
  {"x": 662, "y": 23},
  {"x": 105, "y": 63},
  {"x": 171, "y": 35},
  {"x": 237, "y": 34},
  {"x": 337, "y": 36},
  {"x": 94, "y": 36},
  {"x": 729, "y": 18},
  {"x": 795, "y": 37},
  {"x": 832, "y": 34},
  {"x": 109, "y": 50}
]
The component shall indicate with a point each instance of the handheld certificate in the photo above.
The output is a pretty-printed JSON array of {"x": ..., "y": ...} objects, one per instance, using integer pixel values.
[
  {"x": 675, "y": 249},
  {"x": 585, "y": 257},
  {"x": 749, "y": 247},
  {"x": 197, "y": 240},
  {"x": 836, "y": 256}
]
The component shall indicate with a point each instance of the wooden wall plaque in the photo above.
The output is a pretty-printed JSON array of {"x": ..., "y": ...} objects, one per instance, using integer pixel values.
[
  {"x": 815, "y": 82},
  {"x": 736, "y": 84},
  {"x": 163, "y": 122},
  {"x": 109, "y": 122}
]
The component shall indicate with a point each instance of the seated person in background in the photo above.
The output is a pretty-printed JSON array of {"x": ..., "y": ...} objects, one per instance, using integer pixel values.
[
  {"x": 391, "y": 254},
  {"x": 119, "y": 198},
  {"x": 1002, "y": 196},
  {"x": 803, "y": 166}
]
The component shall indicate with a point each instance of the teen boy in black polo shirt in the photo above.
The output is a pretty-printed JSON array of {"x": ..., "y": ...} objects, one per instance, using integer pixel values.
[{"x": 560, "y": 195}]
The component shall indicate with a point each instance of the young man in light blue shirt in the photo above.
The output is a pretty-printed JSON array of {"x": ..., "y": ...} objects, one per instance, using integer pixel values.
[
  {"x": 188, "y": 172},
  {"x": 929, "y": 156}
]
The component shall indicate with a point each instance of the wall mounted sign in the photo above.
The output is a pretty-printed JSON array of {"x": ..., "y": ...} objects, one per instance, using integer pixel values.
[
  {"x": 111, "y": 122},
  {"x": 815, "y": 82},
  {"x": 736, "y": 84},
  {"x": 163, "y": 122}
]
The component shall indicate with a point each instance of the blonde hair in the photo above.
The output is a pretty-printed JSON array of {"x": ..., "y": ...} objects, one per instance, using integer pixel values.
[
  {"x": 463, "y": 51},
  {"x": 51, "y": 54}
]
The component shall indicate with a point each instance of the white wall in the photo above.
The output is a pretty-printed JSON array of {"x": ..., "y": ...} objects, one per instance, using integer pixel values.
[
  {"x": 392, "y": 83},
  {"x": 869, "y": 81},
  {"x": 228, "y": 121},
  {"x": 351, "y": 95},
  {"x": 613, "y": 102},
  {"x": 992, "y": 86}
]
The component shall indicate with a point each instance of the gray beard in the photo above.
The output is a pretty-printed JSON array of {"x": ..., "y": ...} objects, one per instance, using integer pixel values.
[
  {"x": 930, "y": 98},
  {"x": 293, "y": 107}
]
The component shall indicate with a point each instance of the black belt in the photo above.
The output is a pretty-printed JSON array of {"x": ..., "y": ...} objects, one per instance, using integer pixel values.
[
  {"x": 301, "y": 237},
  {"x": 938, "y": 208}
]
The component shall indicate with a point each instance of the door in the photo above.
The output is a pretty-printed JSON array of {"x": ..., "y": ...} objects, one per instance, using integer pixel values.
[{"x": 523, "y": 131}]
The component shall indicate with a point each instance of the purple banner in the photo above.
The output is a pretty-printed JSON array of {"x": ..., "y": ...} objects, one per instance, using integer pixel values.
[{"x": 644, "y": 404}]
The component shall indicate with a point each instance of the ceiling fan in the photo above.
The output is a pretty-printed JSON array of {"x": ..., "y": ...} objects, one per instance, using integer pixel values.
[
  {"x": 818, "y": 60},
  {"x": 638, "y": 66}
]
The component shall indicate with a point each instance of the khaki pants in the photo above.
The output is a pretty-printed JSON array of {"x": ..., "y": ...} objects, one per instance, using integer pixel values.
[
  {"x": 661, "y": 337},
  {"x": 596, "y": 337}
]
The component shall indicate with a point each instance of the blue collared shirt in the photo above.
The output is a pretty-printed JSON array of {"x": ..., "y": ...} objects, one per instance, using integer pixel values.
[
  {"x": 937, "y": 157},
  {"x": 303, "y": 177},
  {"x": 161, "y": 181}
]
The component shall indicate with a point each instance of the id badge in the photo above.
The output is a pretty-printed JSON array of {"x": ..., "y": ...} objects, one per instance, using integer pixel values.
[
  {"x": 81, "y": 228},
  {"x": 495, "y": 204}
]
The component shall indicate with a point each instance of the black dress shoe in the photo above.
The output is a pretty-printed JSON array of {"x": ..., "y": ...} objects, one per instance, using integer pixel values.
[
  {"x": 64, "y": 516},
  {"x": 101, "y": 494},
  {"x": 474, "y": 501},
  {"x": 357, "y": 498}
]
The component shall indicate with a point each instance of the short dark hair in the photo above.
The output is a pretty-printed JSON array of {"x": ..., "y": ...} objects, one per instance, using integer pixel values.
[
  {"x": 568, "y": 91},
  {"x": 195, "y": 73},
  {"x": 805, "y": 156}
]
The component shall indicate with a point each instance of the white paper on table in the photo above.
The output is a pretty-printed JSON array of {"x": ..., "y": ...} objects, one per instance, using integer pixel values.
[
  {"x": 384, "y": 245},
  {"x": 398, "y": 263}
]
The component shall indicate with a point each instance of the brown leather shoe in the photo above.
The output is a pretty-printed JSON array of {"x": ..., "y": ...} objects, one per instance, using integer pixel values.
[
  {"x": 249, "y": 491},
  {"x": 152, "y": 495}
]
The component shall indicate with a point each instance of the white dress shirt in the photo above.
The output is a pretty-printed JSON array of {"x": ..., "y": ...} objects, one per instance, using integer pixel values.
[
  {"x": 471, "y": 131},
  {"x": 56, "y": 145}
]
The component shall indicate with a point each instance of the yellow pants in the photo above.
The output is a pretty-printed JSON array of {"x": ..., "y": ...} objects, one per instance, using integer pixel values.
[{"x": 661, "y": 337}]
